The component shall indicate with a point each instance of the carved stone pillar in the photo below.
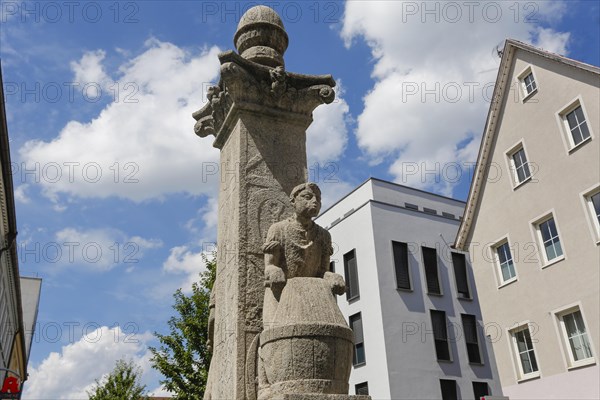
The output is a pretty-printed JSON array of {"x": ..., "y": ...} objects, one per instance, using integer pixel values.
[{"x": 258, "y": 114}]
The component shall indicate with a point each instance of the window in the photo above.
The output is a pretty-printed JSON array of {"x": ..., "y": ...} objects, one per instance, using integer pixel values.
[
  {"x": 574, "y": 124},
  {"x": 525, "y": 353},
  {"x": 401, "y": 267},
  {"x": 411, "y": 206},
  {"x": 550, "y": 240},
  {"x": 332, "y": 266},
  {"x": 505, "y": 263},
  {"x": 575, "y": 337},
  {"x": 529, "y": 83},
  {"x": 429, "y": 210},
  {"x": 481, "y": 389},
  {"x": 448, "y": 215},
  {"x": 520, "y": 165},
  {"x": 351, "y": 272},
  {"x": 358, "y": 357},
  {"x": 440, "y": 335},
  {"x": 431, "y": 270},
  {"x": 469, "y": 323},
  {"x": 448, "y": 388},
  {"x": 460, "y": 274},
  {"x": 592, "y": 201},
  {"x": 362, "y": 389}
]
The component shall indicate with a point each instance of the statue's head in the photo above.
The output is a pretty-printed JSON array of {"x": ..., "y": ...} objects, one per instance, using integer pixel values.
[{"x": 306, "y": 199}]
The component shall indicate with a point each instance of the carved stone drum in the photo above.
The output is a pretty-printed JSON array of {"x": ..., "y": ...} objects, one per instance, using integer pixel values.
[{"x": 309, "y": 347}]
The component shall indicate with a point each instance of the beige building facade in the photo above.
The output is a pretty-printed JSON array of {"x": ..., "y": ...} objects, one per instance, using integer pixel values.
[{"x": 532, "y": 225}]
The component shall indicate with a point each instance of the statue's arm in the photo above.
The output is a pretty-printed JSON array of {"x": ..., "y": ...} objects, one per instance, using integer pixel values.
[
  {"x": 338, "y": 286},
  {"x": 274, "y": 274}
]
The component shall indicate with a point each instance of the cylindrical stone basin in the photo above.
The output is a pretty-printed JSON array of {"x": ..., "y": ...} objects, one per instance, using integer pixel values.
[{"x": 309, "y": 347}]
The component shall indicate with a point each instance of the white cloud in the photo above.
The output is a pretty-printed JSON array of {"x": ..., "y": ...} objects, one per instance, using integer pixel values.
[
  {"x": 90, "y": 71},
  {"x": 142, "y": 145},
  {"x": 96, "y": 249},
  {"x": 327, "y": 136},
  {"x": 434, "y": 69},
  {"x": 73, "y": 371},
  {"x": 183, "y": 260},
  {"x": 21, "y": 195}
]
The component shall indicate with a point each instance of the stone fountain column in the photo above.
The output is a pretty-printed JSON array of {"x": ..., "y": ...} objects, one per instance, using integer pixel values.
[{"x": 258, "y": 114}]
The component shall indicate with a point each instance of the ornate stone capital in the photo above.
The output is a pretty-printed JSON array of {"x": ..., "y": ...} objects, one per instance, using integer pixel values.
[{"x": 250, "y": 85}]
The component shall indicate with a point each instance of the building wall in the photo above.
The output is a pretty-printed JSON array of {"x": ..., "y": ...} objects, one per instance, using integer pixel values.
[
  {"x": 560, "y": 177},
  {"x": 400, "y": 353}
]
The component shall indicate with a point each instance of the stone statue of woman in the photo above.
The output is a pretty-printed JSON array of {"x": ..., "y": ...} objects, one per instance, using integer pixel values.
[{"x": 306, "y": 345}]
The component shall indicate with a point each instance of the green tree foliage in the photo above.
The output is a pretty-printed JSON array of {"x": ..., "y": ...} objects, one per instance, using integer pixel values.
[
  {"x": 123, "y": 383},
  {"x": 184, "y": 355}
]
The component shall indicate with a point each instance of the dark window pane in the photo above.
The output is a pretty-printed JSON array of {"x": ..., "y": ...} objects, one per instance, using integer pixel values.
[
  {"x": 351, "y": 273},
  {"x": 460, "y": 273},
  {"x": 362, "y": 389},
  {"x": 596, "y": 203},
  {"x": 400, "y": 251},
  {"x": 332, "y": 266},
  {"x": 471, "y": 338},
  {"x": 431, "y": 270},
  {"x": 358, "y": 356},
  {"x": 572, "y": 120},
  {"x": 579, "y": 114},
  {"x": 585, "y": 132},
  {"x": 480, "y": 389},
  {"x": 440, "y": 334},
  {"x": 448, "y": 388}
]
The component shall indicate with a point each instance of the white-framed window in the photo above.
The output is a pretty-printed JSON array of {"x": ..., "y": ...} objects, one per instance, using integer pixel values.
[
  {"x": 591, "y": 201},
  {"x": 527, "y": 83},
  {"x": 575, "y": 339},
  {"x": 524, "y": 352},
  {"x": 574, "y": 124},
  {"x": 548, "y": 238},
  {"x": 519, "y": 164},
  {"x": 504, "y": 262}
]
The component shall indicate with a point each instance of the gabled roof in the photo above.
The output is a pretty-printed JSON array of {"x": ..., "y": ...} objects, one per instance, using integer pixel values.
[{"x": 490, "y": 131}]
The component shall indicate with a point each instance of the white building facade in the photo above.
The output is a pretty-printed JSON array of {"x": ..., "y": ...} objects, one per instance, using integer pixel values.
[{"x": 411, "y": 299}]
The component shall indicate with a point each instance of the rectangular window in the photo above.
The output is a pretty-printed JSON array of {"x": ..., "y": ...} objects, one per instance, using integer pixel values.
[
  {"x": 440, "y": 335},
  {"x": 429, "y": 210},
  {"x": 431, "y": 270},
  {"x": 401, "y": 267},
  {"x": 578, "y": 127},
  {"x": 592, "y": 201},
  {"x": 529, "y": 83},
  {"x": 469, "y": 323},
  {"x": 550, "y": 239},
  {"x": 460, "y": 274},
  {"x": 362, "y": 389},
  {"x": 358, "y": 357},
  {"x": 351, "y": 272},
  {"x": 481, "y": 389},
  {"x": 448, "y": 388},
  {"x": 448, "y": 215},
  {"x": 524, "y": 352},
  {"x": 575, "y": 337},
  {"x": 520, "y": 165},
  {"x": 505, "y": 262},
  {"x": 332, "y": 266},
  {"x": 411, "y": 206}
]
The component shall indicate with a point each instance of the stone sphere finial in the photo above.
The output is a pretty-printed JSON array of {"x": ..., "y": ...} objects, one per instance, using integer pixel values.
[{"x": 261, "y": 37}]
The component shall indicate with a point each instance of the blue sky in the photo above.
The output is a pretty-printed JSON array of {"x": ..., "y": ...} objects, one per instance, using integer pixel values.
[{"x": 116, "y": 196}]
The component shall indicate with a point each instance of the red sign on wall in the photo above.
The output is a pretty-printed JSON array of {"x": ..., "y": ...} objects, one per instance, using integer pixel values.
[{"x": 10, "y": 388}]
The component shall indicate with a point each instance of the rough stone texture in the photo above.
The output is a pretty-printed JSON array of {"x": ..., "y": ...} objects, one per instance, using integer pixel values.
[{"x": 259, "y": 116}]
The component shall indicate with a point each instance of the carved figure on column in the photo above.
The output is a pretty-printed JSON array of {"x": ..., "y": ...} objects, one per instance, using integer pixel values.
[{"x": 306, "y": 345}]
